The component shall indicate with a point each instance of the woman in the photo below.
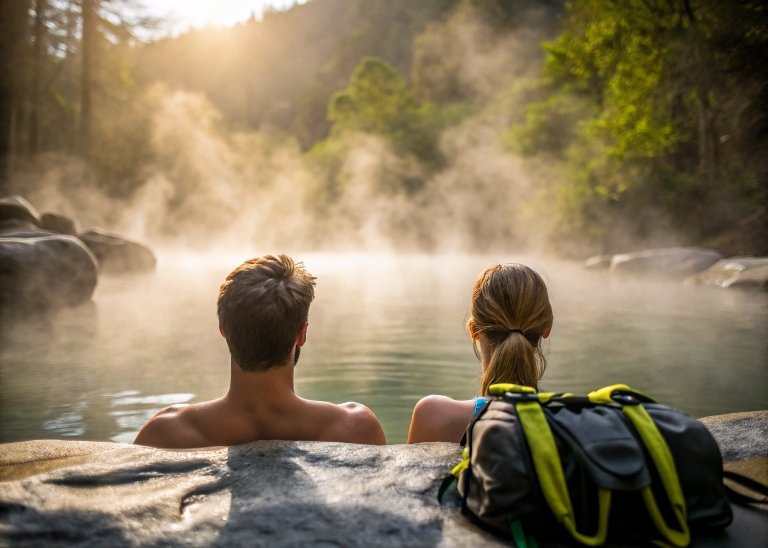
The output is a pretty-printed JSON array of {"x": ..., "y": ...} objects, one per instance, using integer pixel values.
[{"x": 510, "y": 314}]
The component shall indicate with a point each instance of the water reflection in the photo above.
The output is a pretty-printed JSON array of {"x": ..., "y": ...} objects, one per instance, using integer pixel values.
[
  {"x": 130, "y": 410},
  {"x": 67, "y": 420},
  {"x": 133, "y": 398},
  {"x": 383, "y": 331}
]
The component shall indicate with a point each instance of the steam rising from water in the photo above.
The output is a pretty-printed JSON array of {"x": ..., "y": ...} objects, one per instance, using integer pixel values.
[
  {"x": 213, "y": 187},
  {"x": 209, "y": 189}
]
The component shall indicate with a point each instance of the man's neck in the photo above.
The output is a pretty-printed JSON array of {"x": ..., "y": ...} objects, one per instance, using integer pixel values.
[{"x": 252, "y": 390}]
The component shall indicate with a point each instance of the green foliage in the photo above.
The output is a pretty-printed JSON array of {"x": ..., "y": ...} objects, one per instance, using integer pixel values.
[
  {"x": 378, "y": 101},
  {"x": 51, "y": 118},
  {"x": 616, "y": 54},
  {"x": 291, "y": 62},
  {"x": 550, "y": 126},
  {"x": 640, "y": 105}
]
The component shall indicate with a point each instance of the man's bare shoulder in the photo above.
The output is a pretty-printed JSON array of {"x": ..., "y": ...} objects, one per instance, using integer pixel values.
[
  {"x": 172, "y": 411},
  {"x": 171, "y": 427},
  {"x": 354, "y": 423}
]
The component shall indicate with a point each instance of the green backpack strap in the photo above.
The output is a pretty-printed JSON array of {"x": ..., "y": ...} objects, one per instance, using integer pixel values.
[
  {"x": 665, "y": 465},
  {"x": 662, "y": 458},
  {"x": 605, "y": 394},
  {"x": 549, "y": 470},
  {"x": 448, "y": 483},
  {"x": 518, "y": 534}
]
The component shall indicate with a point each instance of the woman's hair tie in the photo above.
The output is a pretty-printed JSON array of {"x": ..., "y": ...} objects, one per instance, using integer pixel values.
[{"x": 514, "y": 331}]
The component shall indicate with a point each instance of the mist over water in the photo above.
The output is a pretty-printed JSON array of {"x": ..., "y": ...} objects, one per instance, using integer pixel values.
[
  {"x": 384, "y": 330},
  {"x": 210, "y": 188}
]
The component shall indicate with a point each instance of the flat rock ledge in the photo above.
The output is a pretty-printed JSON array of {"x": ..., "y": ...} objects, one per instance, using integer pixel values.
[{"x": 271, "y": 493}]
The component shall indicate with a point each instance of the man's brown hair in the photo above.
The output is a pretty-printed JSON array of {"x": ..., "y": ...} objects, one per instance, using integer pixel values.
[{"x": 262, "y": 305}]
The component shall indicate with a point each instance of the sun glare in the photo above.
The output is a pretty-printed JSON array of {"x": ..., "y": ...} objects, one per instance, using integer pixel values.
[{"x": 182, "y": 15}]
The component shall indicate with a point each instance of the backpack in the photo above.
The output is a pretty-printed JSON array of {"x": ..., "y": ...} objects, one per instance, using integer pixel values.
[{"x": 613, "y": 465}]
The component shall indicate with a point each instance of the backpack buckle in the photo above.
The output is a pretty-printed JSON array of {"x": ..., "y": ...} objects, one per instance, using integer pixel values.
[
  {"x": 625, "y": 399},
  {"x": 518, "y": 397}
]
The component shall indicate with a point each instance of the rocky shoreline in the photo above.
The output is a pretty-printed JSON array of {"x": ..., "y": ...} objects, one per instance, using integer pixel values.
[
  {"x": 49, "y": 263},
  {"x": 692, "y": 265},
  {"x": 273, "y": 493}
]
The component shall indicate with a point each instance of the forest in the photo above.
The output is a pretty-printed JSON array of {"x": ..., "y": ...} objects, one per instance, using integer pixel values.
[{"x": 581, "y": 127}]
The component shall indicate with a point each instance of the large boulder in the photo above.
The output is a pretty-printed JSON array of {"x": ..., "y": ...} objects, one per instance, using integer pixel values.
[
  {"x": 258, "y": 494},
  {"x": 671, "y": 262},
  {"x": 734, "y": 272},
  {"x": 58, "y": 222},
  {"x": 23, "y": 229},
  {"x": 740, "y": 436},
  {"x": 40, "y": 271},
  {"x": 271, "y": 493},
  {"x": 117, "y": 255},
  {"x": 16, "y": 211}
]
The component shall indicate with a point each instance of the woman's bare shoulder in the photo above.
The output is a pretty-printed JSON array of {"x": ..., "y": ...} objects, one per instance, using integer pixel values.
[
  {"x": 439, "y": 418},
  {"x": 443, "y": 406}
]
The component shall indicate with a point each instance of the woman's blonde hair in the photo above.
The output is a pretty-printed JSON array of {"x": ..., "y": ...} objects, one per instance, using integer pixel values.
[{"x": 510, "y": 306}]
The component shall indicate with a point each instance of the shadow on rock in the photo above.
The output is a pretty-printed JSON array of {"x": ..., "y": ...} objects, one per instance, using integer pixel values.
[
  {"x": 286, "y": 495},
  {"x": 132, "y": 475},
  {"x": 27, "y": 526}
]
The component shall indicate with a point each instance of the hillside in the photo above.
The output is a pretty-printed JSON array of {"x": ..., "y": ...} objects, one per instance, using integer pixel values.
[{"x": 280, "y": 72}]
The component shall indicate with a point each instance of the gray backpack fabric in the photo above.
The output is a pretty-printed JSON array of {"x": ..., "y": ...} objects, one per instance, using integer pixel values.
[{"x": 610, "y": 466}]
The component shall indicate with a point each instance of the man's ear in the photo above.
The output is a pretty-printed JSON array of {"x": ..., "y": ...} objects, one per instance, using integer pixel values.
[
  {"x": 301, "y": 338},
  {"x": 221, "y": 330}
]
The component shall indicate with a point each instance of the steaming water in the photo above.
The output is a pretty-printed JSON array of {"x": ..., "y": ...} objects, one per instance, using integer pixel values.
[{"x": 383, "y": 331}]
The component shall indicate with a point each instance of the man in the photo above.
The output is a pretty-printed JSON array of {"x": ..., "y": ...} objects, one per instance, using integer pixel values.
[{"x": 263, "y": 308}]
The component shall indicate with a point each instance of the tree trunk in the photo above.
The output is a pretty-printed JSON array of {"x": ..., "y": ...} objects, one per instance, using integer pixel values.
[
  {"x": 708, "y": 140},
  {"x": 14, "y": 43},
  {"x": 39, "y": 51},
  {"x": 70, "y": 27},
  {"x": 86, "y": 82}
]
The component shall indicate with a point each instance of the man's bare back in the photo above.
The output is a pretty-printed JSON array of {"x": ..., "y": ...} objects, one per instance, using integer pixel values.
[
  {"x": 220, "y": 422},
  {"x": 263, "y": 309}
]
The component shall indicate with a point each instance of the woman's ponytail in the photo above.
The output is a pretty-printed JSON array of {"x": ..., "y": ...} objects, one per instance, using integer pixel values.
[
  {"x": 510, "y": 307},
  {"x": 513, "y": 359}
]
